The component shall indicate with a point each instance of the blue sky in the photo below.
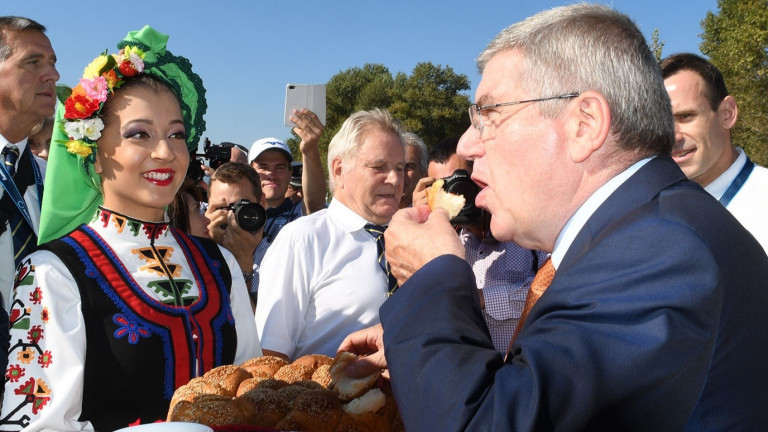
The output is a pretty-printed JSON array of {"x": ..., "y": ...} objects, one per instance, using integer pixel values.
[{"x": 246, "y": 51}]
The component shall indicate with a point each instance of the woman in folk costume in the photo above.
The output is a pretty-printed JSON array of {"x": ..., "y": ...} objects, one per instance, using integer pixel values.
[{"x": 117, "y": 309}]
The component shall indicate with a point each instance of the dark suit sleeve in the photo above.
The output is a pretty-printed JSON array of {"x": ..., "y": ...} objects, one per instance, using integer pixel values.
[{"x": 620, "y": 340}]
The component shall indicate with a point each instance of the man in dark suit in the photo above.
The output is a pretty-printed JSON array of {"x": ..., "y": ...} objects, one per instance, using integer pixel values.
[
  {"x": 27, "y": 96},
  {"x": 655, "y": 318}
]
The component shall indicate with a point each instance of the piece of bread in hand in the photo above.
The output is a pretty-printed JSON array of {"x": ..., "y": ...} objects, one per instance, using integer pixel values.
[
  {"x": 438, "y": 197},
  {"x": 349, "y": 388}
]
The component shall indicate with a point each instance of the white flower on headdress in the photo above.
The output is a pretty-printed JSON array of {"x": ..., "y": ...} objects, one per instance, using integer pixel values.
[
  {"x": 137, "y": 62},
  {"x": 88, "y": 128}
]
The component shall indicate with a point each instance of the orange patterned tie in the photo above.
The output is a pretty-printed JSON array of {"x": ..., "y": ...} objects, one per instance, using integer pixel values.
[{"x": 540, "y": 284}]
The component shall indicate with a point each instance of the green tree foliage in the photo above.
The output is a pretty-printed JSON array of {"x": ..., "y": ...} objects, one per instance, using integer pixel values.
[
  {"x": 656, "y": 45},
  {"x": 736, "y": 41},
  {"x": 429, "y": 102}
]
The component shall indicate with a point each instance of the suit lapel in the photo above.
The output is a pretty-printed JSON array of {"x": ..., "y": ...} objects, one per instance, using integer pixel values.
[{"x": 645, "y": 185}]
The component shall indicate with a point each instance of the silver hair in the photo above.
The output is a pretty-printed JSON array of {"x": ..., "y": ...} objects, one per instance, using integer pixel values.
[
  {"x": 13, "y": 24},
  {"x": 347, "y": 141},
  {"x": 585, "y": 47},
  {"x": 411, "y": 139}
]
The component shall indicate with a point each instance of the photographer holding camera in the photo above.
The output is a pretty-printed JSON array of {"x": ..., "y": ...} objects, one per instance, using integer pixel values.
[
  {"x": 236, "y": 211},
  {"x": 503, "y": 270}
]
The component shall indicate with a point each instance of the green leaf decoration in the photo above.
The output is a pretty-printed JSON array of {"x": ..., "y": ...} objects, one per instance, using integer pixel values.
[{"x": 63, "y": 92}]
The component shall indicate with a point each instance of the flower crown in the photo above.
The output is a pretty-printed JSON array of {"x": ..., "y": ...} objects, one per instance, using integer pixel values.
[{"x": 101, "y": 77}]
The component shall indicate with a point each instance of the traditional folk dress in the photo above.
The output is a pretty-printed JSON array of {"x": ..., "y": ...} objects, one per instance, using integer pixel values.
[{"x": 109, "y": 320}]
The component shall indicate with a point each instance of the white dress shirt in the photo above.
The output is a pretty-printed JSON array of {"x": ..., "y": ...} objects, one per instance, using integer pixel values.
[
  {"x": 750, "y": 204},
  {"x": 320, "y": 281}
]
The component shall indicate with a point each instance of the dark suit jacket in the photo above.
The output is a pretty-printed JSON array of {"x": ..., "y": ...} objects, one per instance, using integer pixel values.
[{"x": 657, "y": 320}]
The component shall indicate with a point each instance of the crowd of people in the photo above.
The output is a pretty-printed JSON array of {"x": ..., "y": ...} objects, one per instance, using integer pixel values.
[{"x": 610, "y": 271}]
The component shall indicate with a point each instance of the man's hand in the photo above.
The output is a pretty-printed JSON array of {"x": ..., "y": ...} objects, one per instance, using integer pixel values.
[
  {"x": 309, "y": 129},
  {"x": 241, "y": 243},
  {"x": 367, "y": 343},
  {"x": 420, "y": 193},
  {"x": 416, "y": 236},
  {"x": 225, "y": 231},
  {"x": 218, "y": 218}
]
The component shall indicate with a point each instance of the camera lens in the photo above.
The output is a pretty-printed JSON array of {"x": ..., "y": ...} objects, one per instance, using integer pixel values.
[{"x": 250, "y": 216}]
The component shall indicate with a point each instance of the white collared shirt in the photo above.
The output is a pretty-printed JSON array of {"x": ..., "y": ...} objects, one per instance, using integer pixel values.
[
  {"x": 718, "y": 187},
  {"x": 750, "y": 204},
  {"x": 320, "y": 280}
]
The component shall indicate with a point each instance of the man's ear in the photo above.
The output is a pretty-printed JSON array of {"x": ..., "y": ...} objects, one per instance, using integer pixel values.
[
  {"x": 728, "y": 111},
  {"x": 588, "y": 125},
  {"x": 337, "y": 167}
]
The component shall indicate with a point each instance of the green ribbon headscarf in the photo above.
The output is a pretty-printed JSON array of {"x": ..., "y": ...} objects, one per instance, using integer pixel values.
[{"x": 72, "y": 191}]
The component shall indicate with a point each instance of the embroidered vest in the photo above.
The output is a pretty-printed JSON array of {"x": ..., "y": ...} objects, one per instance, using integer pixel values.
[{"x": 140, "y": 350}]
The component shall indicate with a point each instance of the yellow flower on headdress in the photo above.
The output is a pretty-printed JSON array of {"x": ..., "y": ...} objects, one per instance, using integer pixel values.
[
  {"x": 94, "y": 69},
  {"x": 79, "y": 148},
  {"x": 128, "y": 50}
]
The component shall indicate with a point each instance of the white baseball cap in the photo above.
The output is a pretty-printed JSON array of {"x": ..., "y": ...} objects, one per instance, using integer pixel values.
[{"x": 265, "y": 144}]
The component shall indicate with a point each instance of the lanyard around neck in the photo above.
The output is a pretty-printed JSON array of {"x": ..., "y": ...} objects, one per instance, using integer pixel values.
[
  {"x": 10, "y": 187},
  {"x": 737, "y": 183}
]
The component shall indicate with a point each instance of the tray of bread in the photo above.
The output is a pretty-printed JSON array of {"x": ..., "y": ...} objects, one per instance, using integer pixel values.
[{"x": 267, "y": 393}]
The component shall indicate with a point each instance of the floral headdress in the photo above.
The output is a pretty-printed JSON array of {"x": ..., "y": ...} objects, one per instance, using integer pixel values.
[
  {"x": 72, "y": 190},
  {"x": 84, "y": 103}
]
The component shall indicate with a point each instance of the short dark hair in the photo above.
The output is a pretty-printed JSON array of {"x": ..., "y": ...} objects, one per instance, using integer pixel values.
[
  {"x": 714, "y": 83},
  {"x": 443, "y": 150},
  {"x": 13, "y": 24},
  {"x": 235, "y": 172}
]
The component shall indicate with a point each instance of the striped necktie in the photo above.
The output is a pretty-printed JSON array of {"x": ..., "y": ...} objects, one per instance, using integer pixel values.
[
  {"x": 24, "y": 238},
  {"x": 377, "y": 232},
  {"x": 11, "y": 155}
]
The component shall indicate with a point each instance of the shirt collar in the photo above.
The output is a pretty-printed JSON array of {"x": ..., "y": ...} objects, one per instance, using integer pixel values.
[
  {"x": 347, "y": 219},
  {"x": 582, "y": 215},
  {"x": 21, "y": 144},
  {"x": 717, "y": 188}
]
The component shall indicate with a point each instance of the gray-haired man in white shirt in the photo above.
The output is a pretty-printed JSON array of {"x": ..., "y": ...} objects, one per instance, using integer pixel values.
[{"x": 323, "y": 277}]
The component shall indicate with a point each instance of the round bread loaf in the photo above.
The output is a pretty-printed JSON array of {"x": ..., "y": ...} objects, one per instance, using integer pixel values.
[{"x": 269, "y": 392}]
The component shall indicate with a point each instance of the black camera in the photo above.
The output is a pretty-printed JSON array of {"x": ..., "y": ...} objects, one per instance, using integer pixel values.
[
  {"x": 217, "y": 154},
  {"x": 250, "y": 216},
  {"x": 460, "y": 183},
  {"x": 195, "y": 170}
]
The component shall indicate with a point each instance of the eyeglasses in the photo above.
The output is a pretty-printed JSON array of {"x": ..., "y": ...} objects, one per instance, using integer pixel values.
[{"x": 475, "y": 110}]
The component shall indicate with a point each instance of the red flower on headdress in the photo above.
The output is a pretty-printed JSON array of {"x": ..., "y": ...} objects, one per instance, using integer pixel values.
[
  {"x": 78, "y": 106},
  {"x": 127, "y": 68}
]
